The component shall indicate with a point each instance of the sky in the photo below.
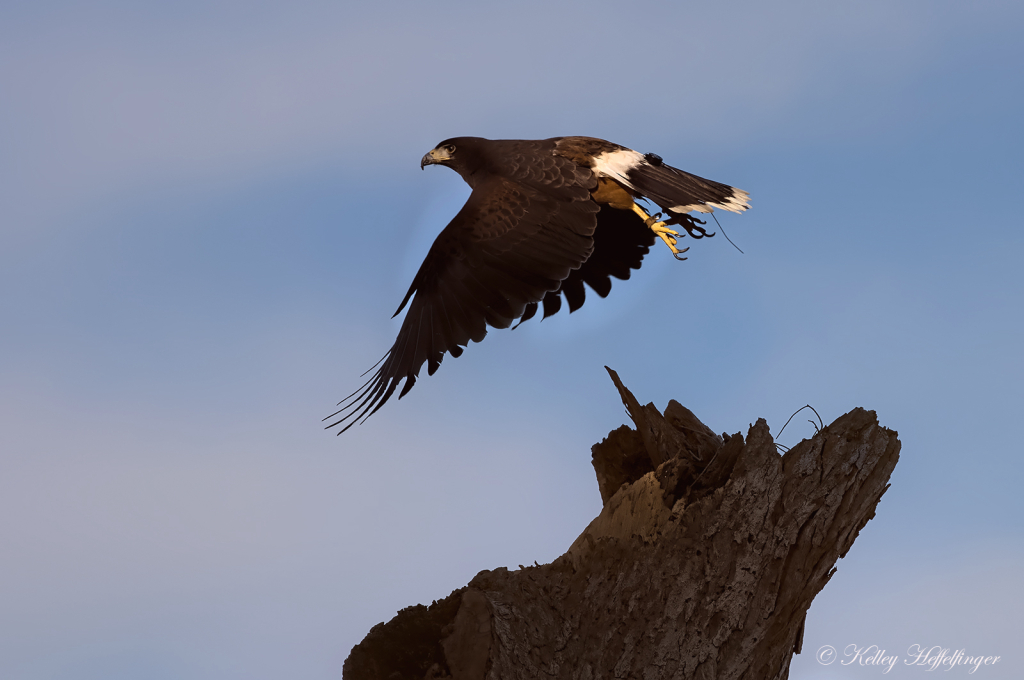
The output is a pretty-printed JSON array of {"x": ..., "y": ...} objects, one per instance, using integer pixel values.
[{"x": 209, "y": 212}]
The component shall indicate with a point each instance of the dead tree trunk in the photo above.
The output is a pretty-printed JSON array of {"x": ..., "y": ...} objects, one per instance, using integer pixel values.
[{"x": 702, "y": 564}]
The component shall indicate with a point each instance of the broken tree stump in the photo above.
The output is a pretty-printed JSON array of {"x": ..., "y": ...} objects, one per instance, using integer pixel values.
[{"x": 702, "y": 563}]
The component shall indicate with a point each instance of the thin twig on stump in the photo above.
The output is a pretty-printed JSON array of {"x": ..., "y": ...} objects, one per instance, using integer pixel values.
[{"x": 702, "y": 564}]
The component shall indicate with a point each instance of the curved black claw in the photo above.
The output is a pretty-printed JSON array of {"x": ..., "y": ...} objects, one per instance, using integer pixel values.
[
  {"x": 690, "y": 224},
  {"x": 697, "y": 232},
  {"x": 676, "y": 255}
]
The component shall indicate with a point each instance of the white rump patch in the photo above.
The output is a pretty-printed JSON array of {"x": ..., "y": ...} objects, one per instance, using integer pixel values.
[{"x": 617, "y": 164}]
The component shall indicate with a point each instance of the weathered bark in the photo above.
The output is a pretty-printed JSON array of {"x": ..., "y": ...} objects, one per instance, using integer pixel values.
[{"x": 702, "y": 563}]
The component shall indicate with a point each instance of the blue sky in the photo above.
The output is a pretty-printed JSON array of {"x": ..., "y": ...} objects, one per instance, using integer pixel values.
[{"x": 208, "y": 213}]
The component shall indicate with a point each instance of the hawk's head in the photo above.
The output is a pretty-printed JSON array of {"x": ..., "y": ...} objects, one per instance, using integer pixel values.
[
  {"x": 464, "y": 155},
  {"x": 442, "y": 154}
]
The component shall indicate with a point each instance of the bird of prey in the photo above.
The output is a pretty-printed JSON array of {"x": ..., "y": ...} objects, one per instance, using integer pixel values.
[{"x": 544, "y": 217}]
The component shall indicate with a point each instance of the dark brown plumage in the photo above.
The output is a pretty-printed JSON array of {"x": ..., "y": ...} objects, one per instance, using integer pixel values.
[{"x": 544, "y": 218}]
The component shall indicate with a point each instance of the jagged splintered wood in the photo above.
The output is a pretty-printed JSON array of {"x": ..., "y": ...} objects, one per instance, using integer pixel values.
[{"x": 702, "y": 564}]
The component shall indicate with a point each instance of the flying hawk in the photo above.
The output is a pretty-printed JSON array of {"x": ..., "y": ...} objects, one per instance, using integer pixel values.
[{"x": 544, "y": 217}]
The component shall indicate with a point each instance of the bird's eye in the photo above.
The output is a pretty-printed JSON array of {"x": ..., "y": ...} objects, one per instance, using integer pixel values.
[{"x": 450, "y": 148}]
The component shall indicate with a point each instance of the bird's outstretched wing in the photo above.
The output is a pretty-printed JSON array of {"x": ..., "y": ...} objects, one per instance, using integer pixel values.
[
  {"x": 621, "y": 241},
  {"x": 518, "y": 237}
]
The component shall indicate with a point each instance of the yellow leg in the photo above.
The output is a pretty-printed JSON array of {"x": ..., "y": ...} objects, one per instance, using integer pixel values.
[{"x": 663, "y": 232}]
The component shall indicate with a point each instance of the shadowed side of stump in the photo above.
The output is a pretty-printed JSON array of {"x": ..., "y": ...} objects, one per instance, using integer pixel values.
[{"x": 702, "y": 563}]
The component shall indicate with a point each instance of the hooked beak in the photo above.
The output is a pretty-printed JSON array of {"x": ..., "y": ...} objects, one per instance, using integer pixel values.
[{"x": 434, "y": 157}]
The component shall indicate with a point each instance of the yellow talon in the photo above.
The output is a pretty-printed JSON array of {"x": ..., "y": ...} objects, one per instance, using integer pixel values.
[{"x": 661, "y": 231}]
